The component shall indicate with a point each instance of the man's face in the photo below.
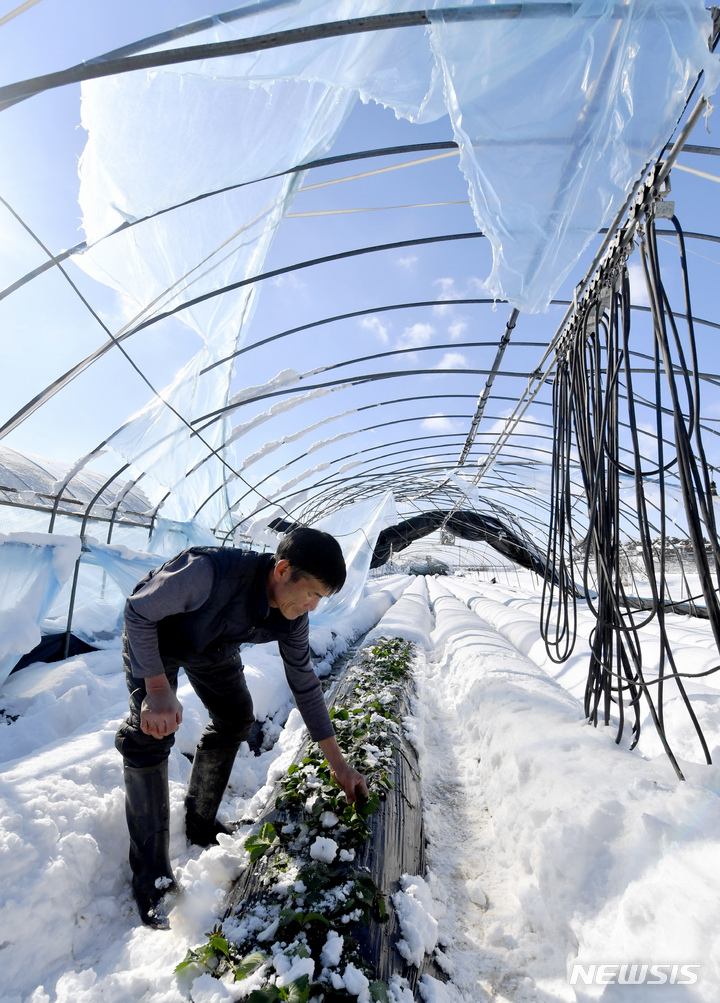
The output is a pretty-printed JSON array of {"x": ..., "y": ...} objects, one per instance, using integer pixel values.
[{"x": 294, "y": 598}]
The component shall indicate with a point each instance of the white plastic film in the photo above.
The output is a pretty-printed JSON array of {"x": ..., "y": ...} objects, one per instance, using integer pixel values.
[
  {"x": 33, "y": 566},
  {"x": 356, "y": 528},
  {"x": 556, "y": 112}
]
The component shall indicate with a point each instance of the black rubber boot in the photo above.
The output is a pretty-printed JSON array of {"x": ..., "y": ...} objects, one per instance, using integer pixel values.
[
  {"x": 147, "y": 807},
  {"x": 209, "y": 777}
]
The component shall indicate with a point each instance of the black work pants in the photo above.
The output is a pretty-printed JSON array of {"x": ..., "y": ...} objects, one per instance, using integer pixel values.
[{"x": 224, "y": 694}]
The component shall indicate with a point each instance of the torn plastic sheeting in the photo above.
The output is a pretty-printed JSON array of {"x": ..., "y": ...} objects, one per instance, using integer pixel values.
[
  {"x": 548, "y": 165},
  {"x": 153, "y": 256},
  {"x": 556, "y": 161},
  {"x": 170, "y": 537},
  {"x": 356, "y": 529},
  {"x": 33, "y": 567},
  {"x": 589, "y": 140},
  {"x": 125, "y": 567}
]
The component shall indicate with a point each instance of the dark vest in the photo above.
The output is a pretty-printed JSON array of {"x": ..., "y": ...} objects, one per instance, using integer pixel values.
[{"x": 236, "y": 612}]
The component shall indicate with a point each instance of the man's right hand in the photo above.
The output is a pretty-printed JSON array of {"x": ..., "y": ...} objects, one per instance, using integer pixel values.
[{"x": 161, "y": 711}]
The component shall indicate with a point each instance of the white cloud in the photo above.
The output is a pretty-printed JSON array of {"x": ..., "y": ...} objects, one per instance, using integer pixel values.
[
  {"x": 447, "y": 291},
  {"x": 439, "y": 423},
  {"x": 453, "y": 360},
  {"x": 457, "y": 329},
  {"x": 288, "y": 280},
  {"x": 416, "y": 336},
  {"x": 474, "y": 288},
  {"x": 638, "y": 288},
  {"x": 375, "y": 325},
  {"x": 407, "y": 262}
]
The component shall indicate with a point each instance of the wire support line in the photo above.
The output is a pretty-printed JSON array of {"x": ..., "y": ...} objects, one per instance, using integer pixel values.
[
  {"x": 312, "y": 262},
  {"x": 129, "y": 359},
  {"x": 17, "y": 11},
  {"x": 369, "y": 311},
  {"x": 415, "y": 304},
  {"x": 116, "y": 340},
  {"x": 697, "y": 173},
  {"x": 83, "y": 246},
  {"x": 337, "y": 460},
  {"x": 13, "y": 93},
  {"x": 374, "y": 208},
  {"x": 438, "y": 453},
  {"x": 483, "y": 398},
  {"x": 380, "y": 170},
  {"x": 212, "y": 416}
]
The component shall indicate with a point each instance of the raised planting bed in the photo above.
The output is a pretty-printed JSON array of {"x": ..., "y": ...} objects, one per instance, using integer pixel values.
[{"x": 311, "y": 919}]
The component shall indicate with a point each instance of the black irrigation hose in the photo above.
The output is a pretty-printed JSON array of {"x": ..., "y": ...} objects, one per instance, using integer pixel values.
[
  {"x": 560, "y": 637},
  {"x": 587, "y": 400}
]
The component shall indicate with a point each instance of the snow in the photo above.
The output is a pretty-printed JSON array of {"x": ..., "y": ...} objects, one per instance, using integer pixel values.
[
  {"x": 356, "y": 983},
  {"x": 416, "y": 913},
  {"x": 323, "y": 848},
  {"x": 279, "y": 407},
  {"x": 549, "y": 845},
  {"x": 284, "y": 379},
  {"x": 332, "y": 949},
  {"x": 302, "y": 966}
]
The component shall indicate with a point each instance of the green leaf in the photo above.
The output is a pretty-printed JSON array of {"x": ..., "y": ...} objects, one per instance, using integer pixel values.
[
  {"x": 249, "y": 964},
  {"x": 267, "y": 995},
  {"x": 299, "y": 991},
  {"x": 190, "y": 959},
  {"x": 366, "y": 806},
  {"x": 379, "y": 992},
  {"x": 299, "y": 951},
  {"x": 293, "y": 768},
  {"x": 287, "y": 916},
  {"x": 315, "y": 917},
  {"x": 258, "y": 844},
  {"x": 218, "y": 944}
]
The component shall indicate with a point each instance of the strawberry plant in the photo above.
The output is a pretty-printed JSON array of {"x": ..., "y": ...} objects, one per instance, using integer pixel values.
[{"x": 297, "y": 929}]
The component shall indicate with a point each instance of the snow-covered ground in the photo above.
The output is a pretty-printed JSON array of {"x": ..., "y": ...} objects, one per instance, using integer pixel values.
[{"x": 549, "y": 844}]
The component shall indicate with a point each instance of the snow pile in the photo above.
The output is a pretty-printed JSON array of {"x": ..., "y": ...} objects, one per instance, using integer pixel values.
[
  {"x": 515, "y": 613},
  {"x": 548, "y": 844},
  {"x": 332, "y": 951},
  {"x": 323, "y": 848},
  {"x": 582, "y": 851},
  {"x": 410, "y": 618},
  {"x": 416, "y": 913},
  {"x": 329, "y": 642}
]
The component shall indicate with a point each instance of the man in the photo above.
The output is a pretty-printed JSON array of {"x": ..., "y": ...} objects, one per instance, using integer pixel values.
[{"x": 194, "y": 612}]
